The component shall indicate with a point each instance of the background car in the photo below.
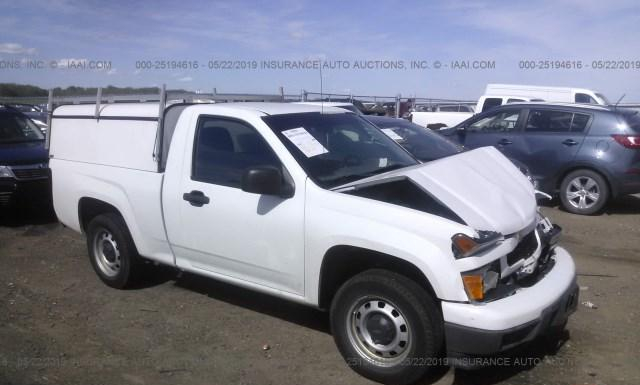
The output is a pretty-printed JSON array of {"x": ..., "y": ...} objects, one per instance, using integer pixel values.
[
  {"x": 25, "y": 178},
  {"x": 35, "y": 113},
  {"x": 426, "y": 145},
  {"x": 585, "y": 154}
]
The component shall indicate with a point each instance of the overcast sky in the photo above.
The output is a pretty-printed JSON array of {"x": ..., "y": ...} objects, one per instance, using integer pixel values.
[{"x": 124, "y": 32}]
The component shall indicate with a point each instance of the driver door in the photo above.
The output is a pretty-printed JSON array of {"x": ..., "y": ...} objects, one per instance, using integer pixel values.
[{"x": 227, "y": 231}]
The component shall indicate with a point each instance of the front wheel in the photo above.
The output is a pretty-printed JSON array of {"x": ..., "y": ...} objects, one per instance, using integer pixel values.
[
  {"x": 584, "y": 192},
  {"x": 387, "y": 327}
]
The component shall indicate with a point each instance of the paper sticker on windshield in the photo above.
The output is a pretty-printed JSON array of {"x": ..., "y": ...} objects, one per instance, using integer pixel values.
[
  {"x": 305, "y": 142},
  {"x": 392, "y": 134}
]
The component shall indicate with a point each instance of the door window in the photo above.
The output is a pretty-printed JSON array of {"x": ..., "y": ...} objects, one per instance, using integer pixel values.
[
  {"x": 555, "y": 121},
  {"x": 224, "y": 149},
  {"x": 579, "y": 122},
  {"x": 503, "y": 121}
]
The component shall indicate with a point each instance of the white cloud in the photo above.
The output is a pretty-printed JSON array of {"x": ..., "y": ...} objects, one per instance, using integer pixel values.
[
  {"x": 297, "y": 30},
  {"x": 112, "y": 71},
  {"x": 15, "y": 48},
  {"x": 185, "y": 79}
]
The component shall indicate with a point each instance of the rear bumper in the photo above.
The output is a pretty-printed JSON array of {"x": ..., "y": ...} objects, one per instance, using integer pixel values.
[
  {"x": 629, "y": 183},
  {"x": 487, "y": 329}
]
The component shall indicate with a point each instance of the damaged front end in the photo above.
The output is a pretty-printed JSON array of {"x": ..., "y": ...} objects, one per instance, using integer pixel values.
[{"x": 528, "y": 262}]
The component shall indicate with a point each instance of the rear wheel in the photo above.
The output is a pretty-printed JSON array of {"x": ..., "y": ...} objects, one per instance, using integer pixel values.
[
  {"x": 112, "y": 251},
  {"x": 387, "y": 327},
  {"x": 584, "y": 192}
]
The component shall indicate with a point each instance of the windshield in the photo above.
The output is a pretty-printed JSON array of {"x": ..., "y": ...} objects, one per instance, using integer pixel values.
[
  {"x": 17, "y": 128},
  {"x": 335, "y": 149},
  {"x": 424, "y": 145}
]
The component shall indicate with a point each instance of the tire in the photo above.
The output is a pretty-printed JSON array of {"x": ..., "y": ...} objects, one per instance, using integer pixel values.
[
  {"x": 112, "y": 252},
  {"x": 396, "y": 301},
  {"x": 584, "y": 192}
]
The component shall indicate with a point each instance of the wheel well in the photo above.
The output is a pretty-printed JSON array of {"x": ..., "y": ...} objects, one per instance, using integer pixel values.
[
  {"x": 343, "y": 262},
  {"x": 580, "y": 167},
  {"x": 89, "y": 208}
]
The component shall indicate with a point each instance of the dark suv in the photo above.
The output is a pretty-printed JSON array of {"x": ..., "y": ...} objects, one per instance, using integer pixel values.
[
  {"x": 586, "y": 154},
  {"x": 25, "y": 179}
]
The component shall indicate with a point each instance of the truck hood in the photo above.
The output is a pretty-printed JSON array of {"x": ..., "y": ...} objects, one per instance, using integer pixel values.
[
  {"x": 12, "y": 154},
  {"x": 481, "y": 186}
]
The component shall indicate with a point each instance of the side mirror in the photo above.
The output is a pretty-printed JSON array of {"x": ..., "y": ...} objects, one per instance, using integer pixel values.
[{"x": 266, "y": 180}]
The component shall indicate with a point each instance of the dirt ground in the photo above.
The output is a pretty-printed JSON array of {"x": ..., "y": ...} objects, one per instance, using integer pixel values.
[{"x": 60, "y": 325}]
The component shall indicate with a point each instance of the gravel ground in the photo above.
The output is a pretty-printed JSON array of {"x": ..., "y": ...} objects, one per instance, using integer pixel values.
[{"x": 60, "y": 325}]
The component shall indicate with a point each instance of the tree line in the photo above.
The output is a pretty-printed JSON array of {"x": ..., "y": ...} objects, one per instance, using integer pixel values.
[{"x": 26, "y": 90}]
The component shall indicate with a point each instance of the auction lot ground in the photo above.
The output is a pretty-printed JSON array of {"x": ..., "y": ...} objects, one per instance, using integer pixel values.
[{"x": 60, "y": 325}]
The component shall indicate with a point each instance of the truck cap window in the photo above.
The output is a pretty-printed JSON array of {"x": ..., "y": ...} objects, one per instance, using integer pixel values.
[
  {"x": 225, "y": 148},
  {"x": 355, "y": 148}
]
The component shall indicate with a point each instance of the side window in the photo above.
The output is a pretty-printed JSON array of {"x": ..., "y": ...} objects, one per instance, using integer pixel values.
[
  {"x": 224, "y": 149},
  {"x": 579, "y": 122},
  {"x": 503, "y": 121},
  {"x": 514, "y": 100},
  {"x": 466, "y": 109},
  {"x": 490, "y": 103},
  {"x": 549, "y": 121},
  {"x": 585, "y": 99}
]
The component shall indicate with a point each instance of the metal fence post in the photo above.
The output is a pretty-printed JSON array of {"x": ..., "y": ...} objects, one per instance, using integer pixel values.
[
  {"x": 49, "y": 118},
  {"x": 398, "y": 105},
  {"x": 282, "y": 93},
  {"x": 98, "y": 101}
]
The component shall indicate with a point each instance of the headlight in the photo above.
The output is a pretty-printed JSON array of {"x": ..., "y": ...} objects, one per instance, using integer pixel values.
[
  {"x": 480, "y": 282},
  {"x": 5, "y": 172},
  {"x": 464, "y": 246}
]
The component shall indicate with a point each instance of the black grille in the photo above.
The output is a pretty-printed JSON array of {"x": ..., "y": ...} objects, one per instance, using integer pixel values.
[
  {"x": 5, "y": 198},
  {"x": 30, "y": 173},
  {"x": 525, "y": 248}
]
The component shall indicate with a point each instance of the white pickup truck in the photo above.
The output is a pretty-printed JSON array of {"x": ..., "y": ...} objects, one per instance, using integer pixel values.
[{"x": 320, "y": 207}]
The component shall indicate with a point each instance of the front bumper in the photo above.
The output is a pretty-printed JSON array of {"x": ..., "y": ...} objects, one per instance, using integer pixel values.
[
  {"x": 490, "y": 328},
  {"x": 14, "y": 193}
]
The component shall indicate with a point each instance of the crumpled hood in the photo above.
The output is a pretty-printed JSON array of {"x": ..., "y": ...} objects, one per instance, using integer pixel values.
[{"x": 481, "y": 186}]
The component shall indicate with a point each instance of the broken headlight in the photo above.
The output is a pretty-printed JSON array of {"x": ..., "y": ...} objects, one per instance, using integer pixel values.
[
  {"x": 464, "y": 246},
  {"x": 480, "y": 282}
]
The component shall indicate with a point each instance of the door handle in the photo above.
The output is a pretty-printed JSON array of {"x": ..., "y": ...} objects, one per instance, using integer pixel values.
[
  {"x": 196, "y": 198},
  {"x": 569, "y": 142},
  {"x": 504, "y": 142}
]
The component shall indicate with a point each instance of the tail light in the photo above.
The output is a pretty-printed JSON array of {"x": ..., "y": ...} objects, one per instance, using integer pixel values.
[{"x": 629, "y": 141}]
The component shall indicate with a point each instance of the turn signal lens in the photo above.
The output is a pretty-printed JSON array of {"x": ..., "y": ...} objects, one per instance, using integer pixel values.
[{"x": 474, "y": 286}]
